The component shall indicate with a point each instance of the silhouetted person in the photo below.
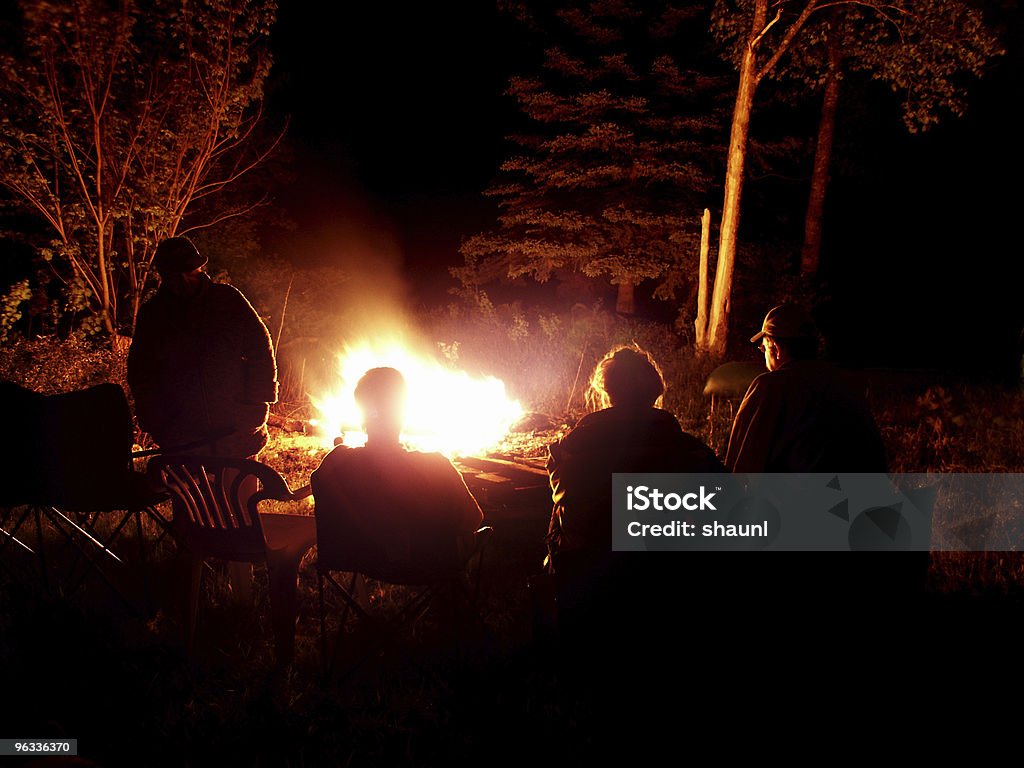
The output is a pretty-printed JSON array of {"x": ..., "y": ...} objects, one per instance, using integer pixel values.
[
  {"x": 201, "y": 365},
  {"x": 803, "y": 415},
  {"x": 201, "y": 368},
  {"x": 388, "y": 507},
  {"x": 627, "y": 433}
]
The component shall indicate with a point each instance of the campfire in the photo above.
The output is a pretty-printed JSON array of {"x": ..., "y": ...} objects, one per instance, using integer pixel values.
[{"x": 448, "y": 410}]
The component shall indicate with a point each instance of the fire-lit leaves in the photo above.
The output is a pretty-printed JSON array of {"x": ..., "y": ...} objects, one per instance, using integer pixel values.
[
  {"x": 122, "y": 123},
  {"x": 968, "y": 428}
]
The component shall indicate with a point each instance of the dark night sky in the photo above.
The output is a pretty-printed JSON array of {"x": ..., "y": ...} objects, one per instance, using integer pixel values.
[{"x": 398, "y": 121}]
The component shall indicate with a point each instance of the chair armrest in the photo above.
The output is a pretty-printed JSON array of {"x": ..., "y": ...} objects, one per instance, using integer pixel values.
[
  {"x": 303, "y": 492},
  {"x": 184, "y": 448},
  {"x": 481, "y": 538}
]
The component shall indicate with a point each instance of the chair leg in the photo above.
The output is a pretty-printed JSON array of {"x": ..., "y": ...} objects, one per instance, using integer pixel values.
[
  {"x": 283, "y": 607},
  {"x": 8, "y": 538},
  {"x": 323, "y": 626},
  {"x": 240, "y": 576},
  {"x": 42, "y": 550},
  {"x": 192, "y": 609},
  {"x": 357, "y": 588},
  {"x": 354, "y": 597}
]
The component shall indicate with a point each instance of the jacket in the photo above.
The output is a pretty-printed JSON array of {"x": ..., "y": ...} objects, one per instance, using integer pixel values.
[
  {"x": 203, "y": 368},
  {"x": 805, "y": 416},
  {"x": 613, "y": 440}
]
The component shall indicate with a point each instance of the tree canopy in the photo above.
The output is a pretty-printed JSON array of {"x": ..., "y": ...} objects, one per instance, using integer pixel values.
[
  {"x": 918, "y": 47},
  {"x": 122, "y": 123}
]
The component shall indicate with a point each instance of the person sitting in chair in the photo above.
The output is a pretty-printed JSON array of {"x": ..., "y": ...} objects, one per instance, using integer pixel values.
[
  {"x": 627, "y": 432},
  {"x": 382, "y": 507}
]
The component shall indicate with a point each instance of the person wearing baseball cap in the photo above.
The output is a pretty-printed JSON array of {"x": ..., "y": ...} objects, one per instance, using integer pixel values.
[
  {"x": 201, "y": 369},
  {"x": 787, "y": 332},
  {"x": 201, "y": 366},
  {"x": 803, "y": 415}
]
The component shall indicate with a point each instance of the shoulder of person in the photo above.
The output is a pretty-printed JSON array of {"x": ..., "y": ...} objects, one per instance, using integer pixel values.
[
  {"x": 586, "y": 429},
  {"x": 226, "y": 292},
  {"x": 146, "y": 310},
  {"x": 770, "y": 381},
  {"x": 435, "y": 458},
  {"x": 661, "y": 416},
  {"x": 339, "y": 454}
]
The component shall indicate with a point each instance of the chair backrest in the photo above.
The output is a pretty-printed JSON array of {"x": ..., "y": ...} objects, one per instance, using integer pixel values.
[
  {"x": 387, "y": 515},
  {"x": 78, "y": 448},
  {"x": 216, "y": 500},
  {"x": 344, "y": 546},
  {"x": 22, "y": 476}
]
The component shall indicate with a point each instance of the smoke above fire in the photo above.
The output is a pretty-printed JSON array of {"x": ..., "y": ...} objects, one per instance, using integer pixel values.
[{"x": 448, "y": 409}]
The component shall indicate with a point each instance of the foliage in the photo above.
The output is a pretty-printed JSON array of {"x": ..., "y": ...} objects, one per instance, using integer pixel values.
[
  {"x": 10, "y": 311},
  {"x": 912, "y": 45},
  {"x": 304, "y": 310},
  {"x": 51, "y": 366},
  {"x": 919, "y": 48},
  {"x": 620, "y": 150},
  {"x": 952, "y": 426},
  {"x": 121, "y": 123}
]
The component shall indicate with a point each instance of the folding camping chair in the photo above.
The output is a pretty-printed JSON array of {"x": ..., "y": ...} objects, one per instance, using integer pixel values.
[
  {"x": 339, "y": 550},
  {"x": 216, "y": 515},
  {"x": 75, "y": 474}
]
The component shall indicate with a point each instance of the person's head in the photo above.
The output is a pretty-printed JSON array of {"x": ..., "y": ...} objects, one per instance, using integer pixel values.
[
  {"x": 787, "y": 333},
  {"x": 180, "y": 265},
  {"x": 626, "y": 377},
  {"x": 380, "y": 395}
]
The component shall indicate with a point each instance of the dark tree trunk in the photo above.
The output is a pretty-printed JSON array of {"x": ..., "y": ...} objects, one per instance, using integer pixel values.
[
  {"x": 810, "y": 253},
  {"x": 625, "y": 303}
]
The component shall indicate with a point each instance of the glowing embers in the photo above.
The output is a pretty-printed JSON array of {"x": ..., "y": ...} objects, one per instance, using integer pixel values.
[{"x": 447, "y": 410}]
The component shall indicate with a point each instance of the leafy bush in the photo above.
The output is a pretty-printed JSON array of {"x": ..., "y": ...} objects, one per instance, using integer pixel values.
[{"x": 50, "y": 365}]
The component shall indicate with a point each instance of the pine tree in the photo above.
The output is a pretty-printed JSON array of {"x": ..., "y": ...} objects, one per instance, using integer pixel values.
[{"x": 620, "y": 152}]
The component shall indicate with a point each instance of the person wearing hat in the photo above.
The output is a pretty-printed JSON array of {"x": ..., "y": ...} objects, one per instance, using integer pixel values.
[
  {"x": 803, "y": 415},
  {"x": 201, "y": 365}
]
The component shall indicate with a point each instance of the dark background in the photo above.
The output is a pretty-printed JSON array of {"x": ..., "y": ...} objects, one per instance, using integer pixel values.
[{"x": 398, "y": 121}]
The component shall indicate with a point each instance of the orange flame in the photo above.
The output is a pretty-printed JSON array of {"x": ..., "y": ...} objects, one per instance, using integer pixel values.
[{"x": 447, "y": 410}]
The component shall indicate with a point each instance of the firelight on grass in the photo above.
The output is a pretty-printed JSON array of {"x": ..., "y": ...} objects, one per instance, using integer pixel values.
[{"x": 447, "y": 410}]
